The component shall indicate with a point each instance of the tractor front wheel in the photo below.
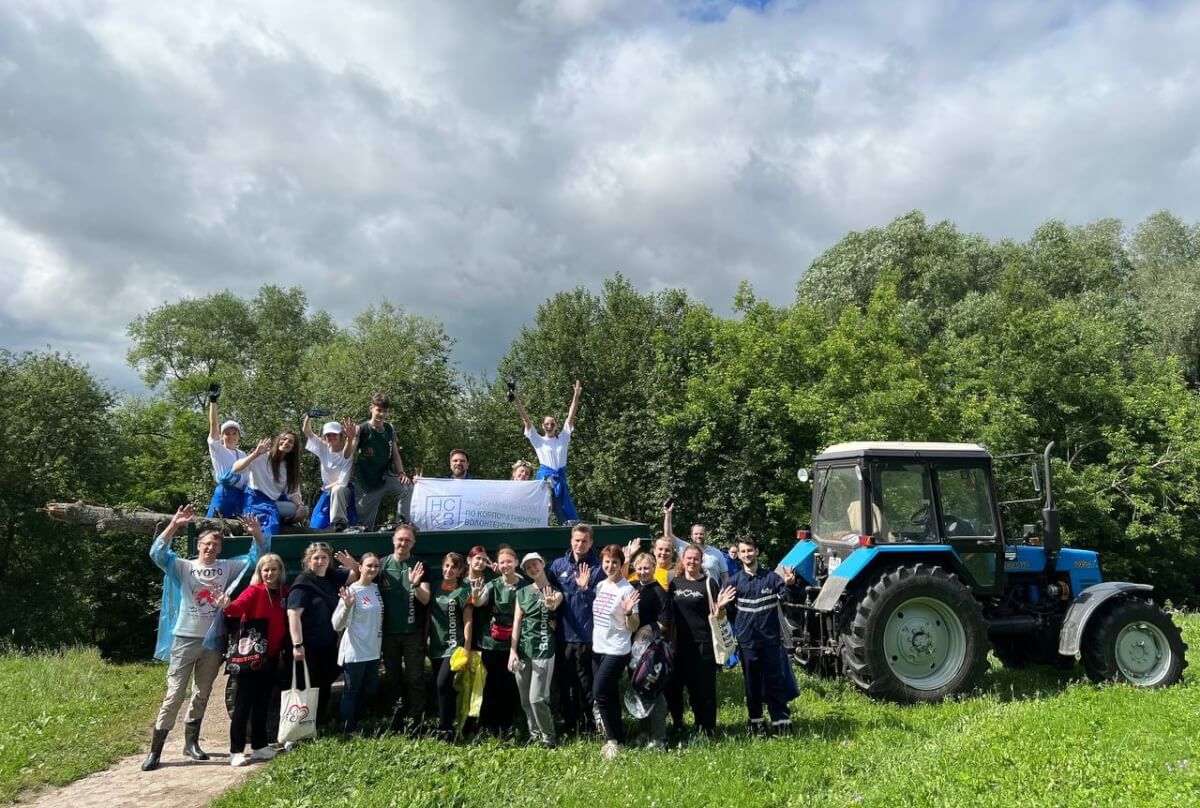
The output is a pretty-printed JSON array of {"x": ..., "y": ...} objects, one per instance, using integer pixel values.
[
  {"x": 1135, "y": 642},
  {"x": 916, "y": 635}
]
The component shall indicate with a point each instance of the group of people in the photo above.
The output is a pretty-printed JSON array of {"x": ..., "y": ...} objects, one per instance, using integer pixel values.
[
  {"x": 556, "y": 638},
  {"x": 360, "y": 465}
]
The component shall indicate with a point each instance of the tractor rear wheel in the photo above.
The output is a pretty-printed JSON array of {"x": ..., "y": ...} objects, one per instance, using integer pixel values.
[
  {"x": 916, "y": 635},
  {"x": 1135, "y": 642}
]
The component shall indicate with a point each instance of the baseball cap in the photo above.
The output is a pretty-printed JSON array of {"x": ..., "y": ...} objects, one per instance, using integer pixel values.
[
  {"x": 331, "y": 427},
  {"x": 531, "y": 557},
  {"x": 229, "y": 424}
]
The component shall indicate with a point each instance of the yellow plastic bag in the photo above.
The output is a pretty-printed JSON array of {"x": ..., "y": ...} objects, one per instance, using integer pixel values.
[
  {"x": 459, "y": 659},
  {"x": 468, "y": 681}
]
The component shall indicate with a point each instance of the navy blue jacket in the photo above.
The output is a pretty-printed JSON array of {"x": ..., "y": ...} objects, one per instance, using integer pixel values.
[
  {"x": 575, "y": 615},
  {"x": 755, "y": 613}
]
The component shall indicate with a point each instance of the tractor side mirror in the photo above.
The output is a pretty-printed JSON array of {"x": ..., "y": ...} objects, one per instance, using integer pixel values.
[
  {"x": 1036, "y": 473},
  {"x": 802, "y": 475}
]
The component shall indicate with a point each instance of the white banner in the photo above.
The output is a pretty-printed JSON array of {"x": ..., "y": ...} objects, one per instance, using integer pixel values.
[{"x": 447, "y": 504}]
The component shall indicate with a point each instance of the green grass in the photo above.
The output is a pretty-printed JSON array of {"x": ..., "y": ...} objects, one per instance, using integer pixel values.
[
  {"x": 1032, "y": 738},
  {"x": 63, "y": 716}
]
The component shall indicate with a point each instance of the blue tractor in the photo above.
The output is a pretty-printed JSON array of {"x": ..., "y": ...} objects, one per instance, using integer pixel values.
[{"x": 910, "y": 581}]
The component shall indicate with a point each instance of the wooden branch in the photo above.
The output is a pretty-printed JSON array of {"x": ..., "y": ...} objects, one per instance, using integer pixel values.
[{"x": 117, "y": 520}]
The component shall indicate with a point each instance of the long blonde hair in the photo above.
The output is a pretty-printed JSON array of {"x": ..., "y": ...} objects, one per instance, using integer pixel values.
[{"x": 269, "y": 558}]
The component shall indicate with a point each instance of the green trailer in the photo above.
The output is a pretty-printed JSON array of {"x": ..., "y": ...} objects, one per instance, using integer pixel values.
[{"x": 551, "y": 542}]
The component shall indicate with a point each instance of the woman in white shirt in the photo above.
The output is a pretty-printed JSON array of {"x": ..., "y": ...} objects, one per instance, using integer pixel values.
[
  {"x": 359, "y": 615},
  {"x": 614, "y": 619},
  {"x": 273, "y": 482}
]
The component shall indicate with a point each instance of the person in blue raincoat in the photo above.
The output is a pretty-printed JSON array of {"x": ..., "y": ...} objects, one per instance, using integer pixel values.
[
  {"x": 551, "y": 449},
  {"x": 191, "y": 592}
]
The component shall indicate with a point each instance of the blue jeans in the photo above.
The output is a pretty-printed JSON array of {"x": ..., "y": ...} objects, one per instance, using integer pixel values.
[{"x": 361, "y": 680}]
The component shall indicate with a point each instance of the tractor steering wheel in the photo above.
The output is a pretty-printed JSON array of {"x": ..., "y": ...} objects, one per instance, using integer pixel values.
[{"x": 920, "y": 516}]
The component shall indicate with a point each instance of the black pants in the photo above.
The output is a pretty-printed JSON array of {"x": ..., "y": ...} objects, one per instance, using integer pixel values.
[
  {"x": 607, "y": 670},
  {"x": 500, "y": 697},
  {"x": 447, "y": 696},
  {"x": 696, "y": 671},
  {"x": 252, "y": 702},
  {"x": 322, "y": 666},
  {"x": 573, "y": 669}
]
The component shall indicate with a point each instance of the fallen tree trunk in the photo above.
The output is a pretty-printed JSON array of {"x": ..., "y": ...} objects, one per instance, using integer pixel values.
[{"x": 135, "y": 520}]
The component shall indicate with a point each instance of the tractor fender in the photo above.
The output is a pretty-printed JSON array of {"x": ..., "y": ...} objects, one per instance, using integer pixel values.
[
  {"x": 861, "y": 560},
  {"x": 1085, "y": 605}
]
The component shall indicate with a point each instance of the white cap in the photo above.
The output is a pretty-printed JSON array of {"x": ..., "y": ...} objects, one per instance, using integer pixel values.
[
  {"x": 233, "y": 424},
  {"x": 331, "y": 426},
  {"x": 531, "y": 557}
]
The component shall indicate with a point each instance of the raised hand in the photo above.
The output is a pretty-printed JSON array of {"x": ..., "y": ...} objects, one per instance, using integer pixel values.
[
  {"x": 345, "y": 559},
  {"x": 632, "y": 548},
  {"x": 349, "y": 429},
  {"x": 553, "y": 597},
  {"x": 630, "y": 602},
  {"x": 251, "y": 524},
  {"x": 416, "y": 573},
  {"x": 347, "y": 596},
  {"x": 183, "y": 516},
  {"x": 583, "y": 578},
  {"x": 221, "y": 600},
  {"x": 789, "y": 575},
  {"x": 724, "y": 598},
  {"x": 263, "y": 447}
]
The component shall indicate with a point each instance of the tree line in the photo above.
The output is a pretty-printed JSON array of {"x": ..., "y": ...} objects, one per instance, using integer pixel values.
[{"x": 1088, "y": 336}]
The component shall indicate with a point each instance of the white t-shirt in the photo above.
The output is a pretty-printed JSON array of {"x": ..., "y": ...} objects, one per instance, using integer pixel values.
[
  {"x": 335, "y": 467},
  {"x": 610, "y": 633},
  {"x": 550, "y": 452},
  {"x": 713, "y": 560},
  {"x": 260, "y": 478},
  {"x": 363, "y": 625},
  {"x": 223, "y": 459},
  {"x": 201, "y": 585}
]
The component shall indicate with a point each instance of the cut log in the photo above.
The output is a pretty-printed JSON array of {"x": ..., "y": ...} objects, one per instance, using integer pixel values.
[{"x": 133, "y": 520}]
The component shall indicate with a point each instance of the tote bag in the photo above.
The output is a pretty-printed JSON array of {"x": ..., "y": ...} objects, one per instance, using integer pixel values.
[
  {"x": 298, "y": 709},
  {"x": 724, "y": 645}
]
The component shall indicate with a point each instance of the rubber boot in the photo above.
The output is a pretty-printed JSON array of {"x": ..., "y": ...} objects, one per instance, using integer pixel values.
[
  {"x": 155, "y": 753},
  {"x": 191, "y": 741}
]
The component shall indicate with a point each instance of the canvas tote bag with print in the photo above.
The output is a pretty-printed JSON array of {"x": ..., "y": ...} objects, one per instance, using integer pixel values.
[
  {"x": 298, "y": 709},
  {"x": 724, "y": 645}
]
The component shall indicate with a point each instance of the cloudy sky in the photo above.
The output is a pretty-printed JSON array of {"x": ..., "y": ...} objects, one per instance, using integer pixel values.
[{"x": 468, "y": 158}]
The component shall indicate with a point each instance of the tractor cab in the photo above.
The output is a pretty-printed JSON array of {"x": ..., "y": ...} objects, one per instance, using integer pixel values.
[{"x": 934, "y": 495}]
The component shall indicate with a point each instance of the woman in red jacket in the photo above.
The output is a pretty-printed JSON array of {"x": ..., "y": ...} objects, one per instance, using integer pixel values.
[{"x": 261, "y": 608}]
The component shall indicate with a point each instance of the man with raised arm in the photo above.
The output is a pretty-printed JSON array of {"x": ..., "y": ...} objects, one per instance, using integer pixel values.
[
  {"x": 192, "y": 591},
  {"x": 378, "y": 469},
  {"x": 576, "y": 575},
  {"x": 713, "y": 560},
  {"x": 551, "y": 449}
]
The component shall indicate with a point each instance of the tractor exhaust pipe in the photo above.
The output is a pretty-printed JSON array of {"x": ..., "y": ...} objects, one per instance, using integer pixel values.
[{"x": 1051, "y": 538}]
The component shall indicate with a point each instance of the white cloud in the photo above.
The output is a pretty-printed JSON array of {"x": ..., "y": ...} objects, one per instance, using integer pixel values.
[{"x": 468, "y": 159}]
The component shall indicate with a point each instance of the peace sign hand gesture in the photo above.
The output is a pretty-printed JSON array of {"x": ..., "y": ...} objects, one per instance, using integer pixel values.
[{"x": 789, "y": 575}]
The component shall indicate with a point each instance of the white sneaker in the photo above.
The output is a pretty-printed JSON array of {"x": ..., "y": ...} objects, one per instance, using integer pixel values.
[
  {"x": 266, "y": 753},
  {"x": 238, "y": 759},
  {"x": 610, "y": 750}
]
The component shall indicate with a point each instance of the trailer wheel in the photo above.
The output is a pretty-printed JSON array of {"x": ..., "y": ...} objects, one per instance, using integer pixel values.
[
  {"x": 1134, "y": 642},
  {"x": 916, "y": 635}
]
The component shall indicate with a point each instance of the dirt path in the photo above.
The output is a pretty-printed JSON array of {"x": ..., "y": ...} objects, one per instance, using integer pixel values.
[{"x": 178, "y": 782}]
